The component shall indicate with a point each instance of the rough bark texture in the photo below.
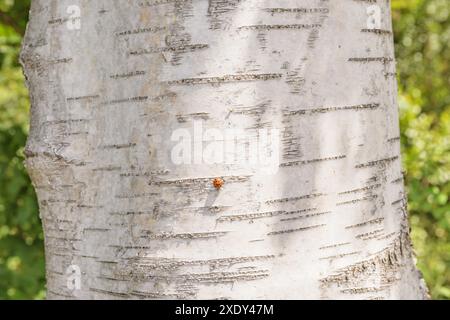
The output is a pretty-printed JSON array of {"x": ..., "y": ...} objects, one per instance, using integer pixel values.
[{"x": 107, "y": 92}]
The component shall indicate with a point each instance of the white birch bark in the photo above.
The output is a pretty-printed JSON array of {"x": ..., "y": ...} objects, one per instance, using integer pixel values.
[{"x": 110, "y": 81}]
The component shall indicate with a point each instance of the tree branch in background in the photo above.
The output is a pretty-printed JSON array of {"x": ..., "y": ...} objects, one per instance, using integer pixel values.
[{"x": 10, "y": 21}]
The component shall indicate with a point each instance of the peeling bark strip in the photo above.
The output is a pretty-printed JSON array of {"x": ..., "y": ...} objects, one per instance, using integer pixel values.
[{"x": 111, "y": 86}]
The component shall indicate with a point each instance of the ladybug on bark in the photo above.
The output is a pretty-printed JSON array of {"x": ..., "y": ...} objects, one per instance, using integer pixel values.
[{"x": 218, "y": 183}]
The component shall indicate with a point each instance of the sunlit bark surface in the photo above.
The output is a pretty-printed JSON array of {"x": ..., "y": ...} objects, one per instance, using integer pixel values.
[{"x": 110, "y": 83}]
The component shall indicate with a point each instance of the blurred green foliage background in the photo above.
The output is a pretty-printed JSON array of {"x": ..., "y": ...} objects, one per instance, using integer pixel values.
[{"x": 422, "y": 34}]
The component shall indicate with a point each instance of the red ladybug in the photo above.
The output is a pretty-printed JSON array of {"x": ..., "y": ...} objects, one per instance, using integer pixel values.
[{"x": 218, "y": 183}]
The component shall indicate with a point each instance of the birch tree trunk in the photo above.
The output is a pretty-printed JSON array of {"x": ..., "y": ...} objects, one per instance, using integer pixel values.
[{"x": 131, "y": 100}]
